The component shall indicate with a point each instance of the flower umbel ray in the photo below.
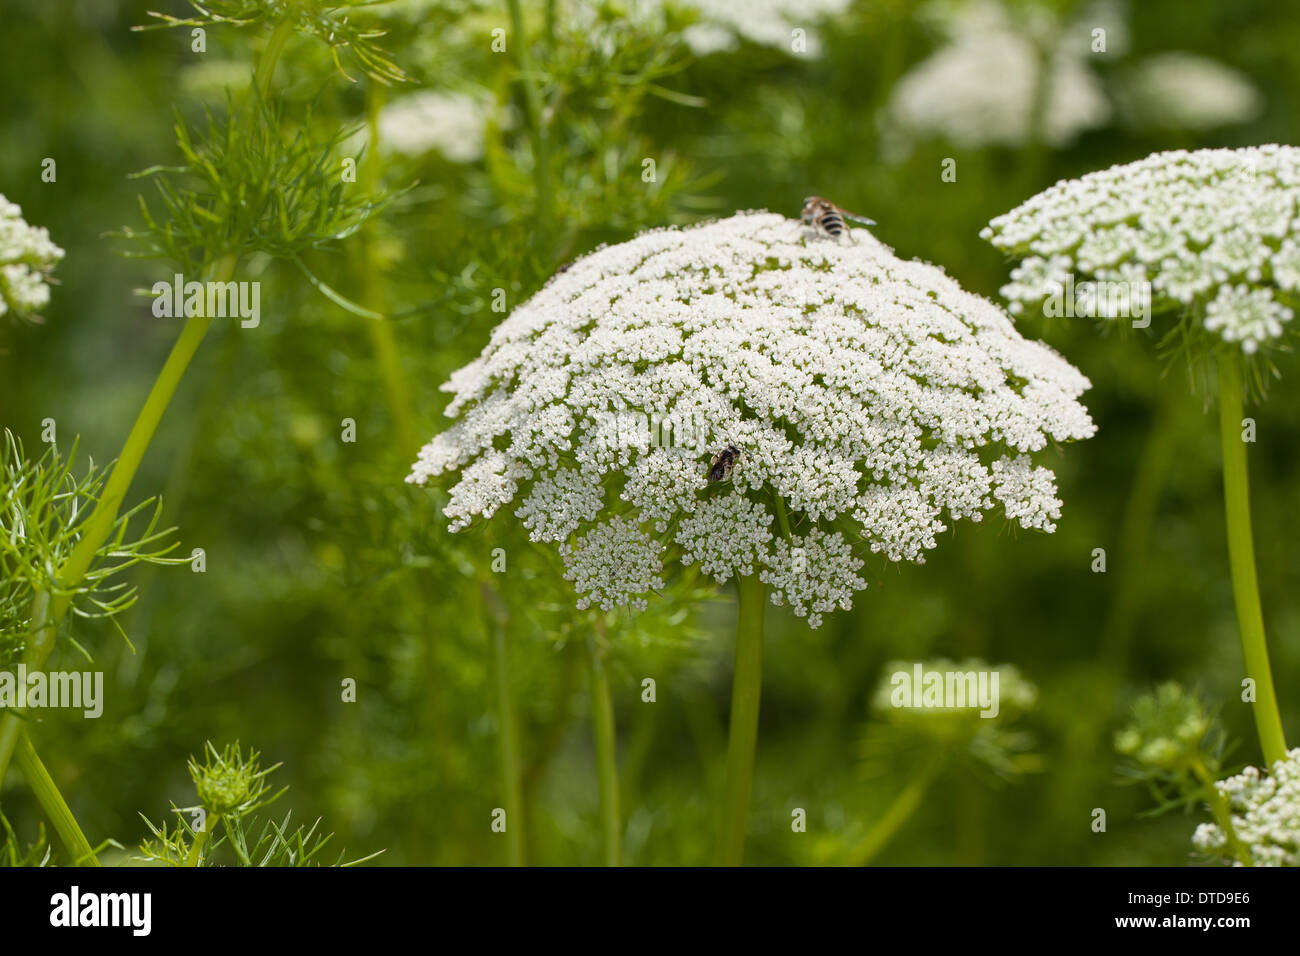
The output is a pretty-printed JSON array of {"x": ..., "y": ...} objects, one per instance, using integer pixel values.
[{"x": 872, "y": 401}]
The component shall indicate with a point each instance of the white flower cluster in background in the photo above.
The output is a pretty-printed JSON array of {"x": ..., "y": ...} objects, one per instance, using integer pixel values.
[
  {"x": 871, "y": 401},
  {"x": 26, "y": 257},
  {"x": 1265, "y": 812},
  {"x": 1185, "y": 91},
  {"x": 979, "y": 88},
  {"x": 721, "y": 24},
  {"x": 765, "y": 22},
  {"x": 453, "y": 123},
  {"x": 1212, "y": 231}
]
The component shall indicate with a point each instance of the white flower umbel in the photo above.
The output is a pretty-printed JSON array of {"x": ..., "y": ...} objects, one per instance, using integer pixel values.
[
  {"x": 1213, "y": 232},
  {"x": 1179, "y": 90},
  {"x": 454, "y": 124},
  {"x": 765, "y": 22},
  {"x": 1265, "y": 813},
  {"x": 979, "y": 88},
  {"x": 871, "y": 400},
  {"x": 26, "y": 258}
]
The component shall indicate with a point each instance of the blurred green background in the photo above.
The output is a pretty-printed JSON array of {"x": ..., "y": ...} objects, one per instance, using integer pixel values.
[{"x": 322, "y": 564}]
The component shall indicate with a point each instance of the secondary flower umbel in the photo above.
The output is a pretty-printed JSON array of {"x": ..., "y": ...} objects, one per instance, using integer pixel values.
[
  {"x": 871, "y": 399},
  {"x": 1214, "y": 232},
  {"x": 1265, "y": 815},
  {"x": 26, "y": 257}
]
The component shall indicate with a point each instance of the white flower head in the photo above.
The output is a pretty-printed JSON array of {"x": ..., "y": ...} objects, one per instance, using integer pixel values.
[
  {"x": 27, "y": 256},
  {"x": 800, "y": 402},
  {"x": 1265, "y": 812},
  {"x": 453, "y": 123},
  {"x": 765, "y": 22},
  {"x": 1179, "y": 90},
  {"x": 718, "y": 26},
  {"x": 1212, "y": 231},
  {"x": 979, "y": 88}
]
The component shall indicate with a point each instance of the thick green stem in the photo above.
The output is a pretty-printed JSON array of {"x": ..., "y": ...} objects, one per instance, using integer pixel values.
[
  {"x": 511, "y": 785},
  {"x": 899, "y": 812},
  {"x": 1241, "y": 558},
  {"x": 602, "y": 722},
  {"x": 52, "y": 802},
  {"x": 536, "y": 118},
  {"x": 746, "y": 689}
]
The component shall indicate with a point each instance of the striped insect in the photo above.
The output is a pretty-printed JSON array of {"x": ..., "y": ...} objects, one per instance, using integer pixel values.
[
  {"x": 828, "y": 219},
  {"x": 723, "y": 462}
]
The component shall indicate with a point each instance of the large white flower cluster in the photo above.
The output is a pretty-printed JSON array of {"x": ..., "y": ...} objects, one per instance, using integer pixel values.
[
  {"x": 26, "y": 257},
  {"x": 1213, "y": 232},
  {"x": 1265, "y": 812},
  {"x": 870, "y": 400}
]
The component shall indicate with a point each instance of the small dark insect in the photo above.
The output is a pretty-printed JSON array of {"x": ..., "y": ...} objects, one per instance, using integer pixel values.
[
  {"x": 560, "y": 271},
  {"x": 723, "y": 462},
  {"x": 828, "y": 218}
]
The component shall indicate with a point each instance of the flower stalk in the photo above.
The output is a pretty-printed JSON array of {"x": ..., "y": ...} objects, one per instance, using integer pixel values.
[
  {"x": 1241, "y": 559},
  {"x": 747, "y": 685},
  {"x": 899, "y": 812},
  {"x": 51, "y": 800},
  {"x": 382, "y": 340},
  {"x": 536, "y": 118},
  {"x": 49, "y": 610},
  {"x": 511, "y": 781},
  {"x": 602, "y": 722},
  {"x": 1222, "y": 813}
]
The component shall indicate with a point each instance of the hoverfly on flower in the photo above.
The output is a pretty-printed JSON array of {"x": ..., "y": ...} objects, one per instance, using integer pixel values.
[
  {"x": 828, "y": 219},
  {"x": 723, "y": 462}
]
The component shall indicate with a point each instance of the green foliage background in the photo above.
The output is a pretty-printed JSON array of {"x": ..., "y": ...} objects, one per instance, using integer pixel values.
[{"x": 322, "y": 564}]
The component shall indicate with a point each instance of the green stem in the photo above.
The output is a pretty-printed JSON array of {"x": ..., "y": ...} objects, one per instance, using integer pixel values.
[
  {"x": 48, "y": 612},
  {"x": 271, "y": 55},
  {"x": 782, "y": 517},
  {"x": 602, "y": 721},
  {"x": 746, "y": 689},
  {"x": 1035, "y": 145},
  {"x": 1078, "y": 772},
  {"x": 1222, "y": 813},
  {"x": 1241, "y": 558},
  {"x": 509, "y": 747},
  {"x": 536, "y": 120},
  {"x": 195, "y": 856},
  {"x": 899, "y": 812},
  {"x": 52, "y": 802},
  {"x": 382, "y": 340},
  {"x": 550, "y": 22}
]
